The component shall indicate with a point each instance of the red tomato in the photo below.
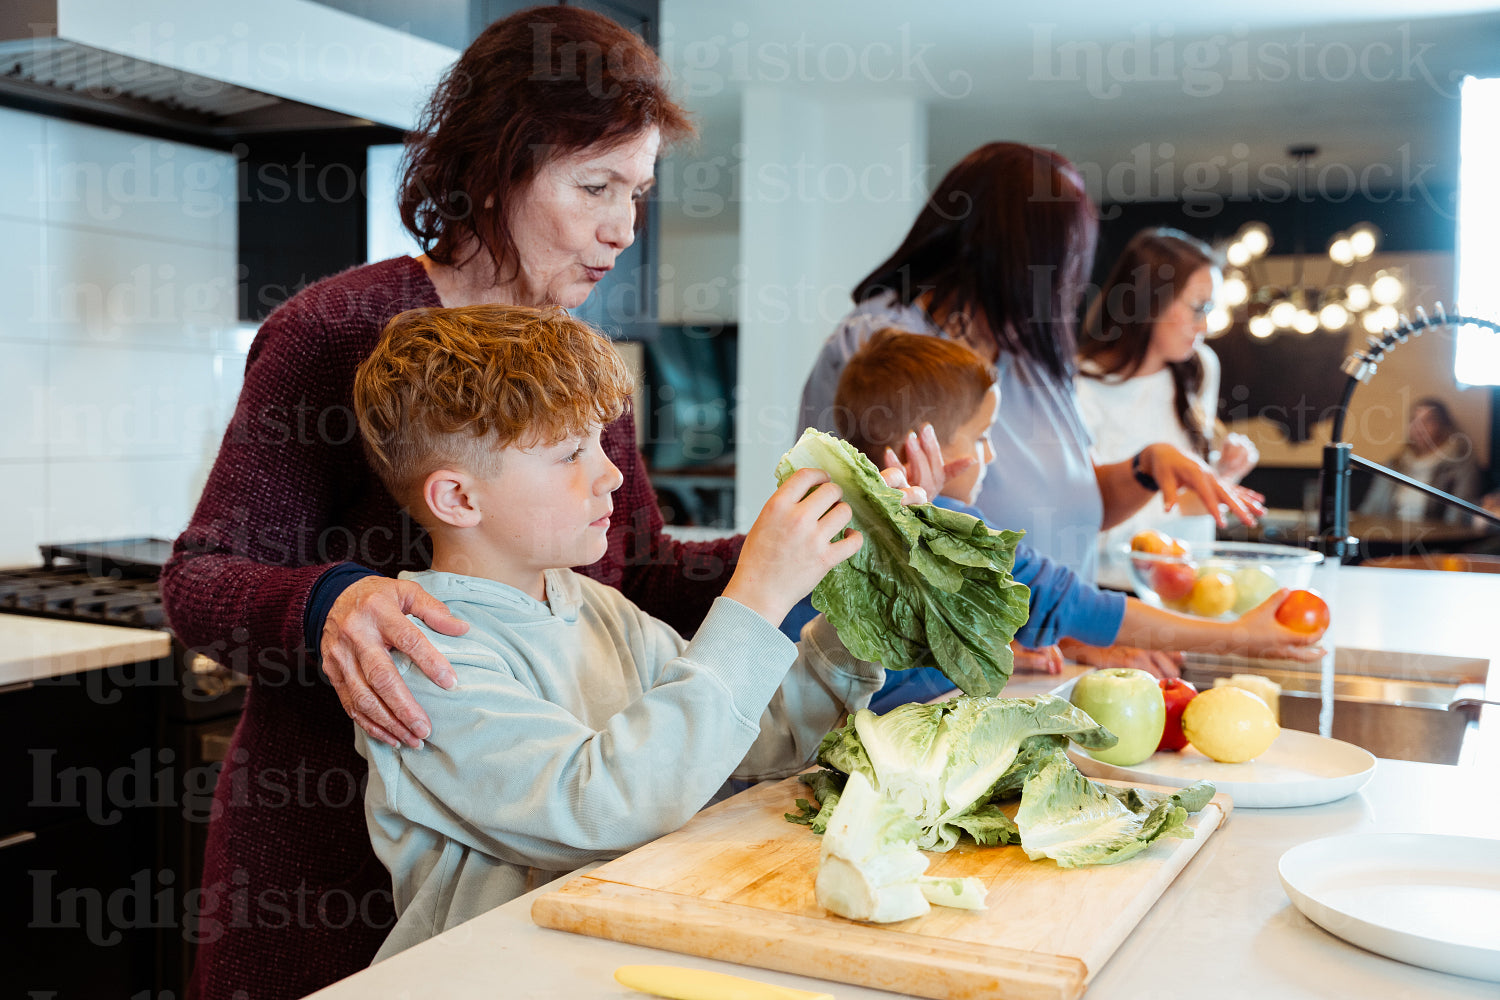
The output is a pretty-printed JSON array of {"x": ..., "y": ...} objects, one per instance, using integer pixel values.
[
  {"x": 1176, "y": 692},
  {"x": 1172, "y": 581},
  {"x": 1303, "y": 611}
]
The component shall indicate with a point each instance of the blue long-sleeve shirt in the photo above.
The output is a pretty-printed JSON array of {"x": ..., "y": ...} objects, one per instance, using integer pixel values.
[{"x": 1061, "y": 604}]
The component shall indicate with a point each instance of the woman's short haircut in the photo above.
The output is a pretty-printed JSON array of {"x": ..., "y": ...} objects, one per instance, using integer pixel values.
[
  {"x": 898, "y": 381},
  {"x": 451, "y": 387},
  {"x": 533, "y": 86}
]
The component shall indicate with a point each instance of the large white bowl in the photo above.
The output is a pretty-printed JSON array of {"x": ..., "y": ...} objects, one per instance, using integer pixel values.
[{"x": 1426, "y": 899}]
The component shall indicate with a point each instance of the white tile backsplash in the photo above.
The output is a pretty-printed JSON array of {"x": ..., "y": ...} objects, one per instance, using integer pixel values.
[
  {"x": 120, "y": 354},
  {"x": 23, "y": 168},
  {"x": 22, "y": 278},
  {"x": 108, "y": 288},
  {"x": 23, "y": 500},
  {"x": 23, "y": 401},
  {"x": 118, "y": 401},
  {"x": 101, "y": 179},
  {"x": 120, "y": 498}
]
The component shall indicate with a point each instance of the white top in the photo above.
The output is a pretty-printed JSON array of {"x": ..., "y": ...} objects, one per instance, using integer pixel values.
[
  {"x": 580, "y": 728},
  {"x": 1124, "y": 417}
]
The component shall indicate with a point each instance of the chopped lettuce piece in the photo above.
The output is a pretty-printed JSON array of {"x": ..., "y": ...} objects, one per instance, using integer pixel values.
[
  {"x": 869, "y": 864},
  {"x": 929, "y": 586},
  {"x": 1068, "y": 818},
  {"x": 825, "y": 786},
  {"x": 962, "y": 893}
]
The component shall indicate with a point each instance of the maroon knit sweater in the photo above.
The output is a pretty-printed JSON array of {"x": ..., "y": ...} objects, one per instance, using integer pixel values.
[{"x": 294, "y": 898}]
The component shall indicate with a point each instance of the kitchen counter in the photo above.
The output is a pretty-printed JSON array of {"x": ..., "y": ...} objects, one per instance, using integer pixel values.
[
  {"x": 32, "y": 649},
  {"x": 1224, "y": 926}
]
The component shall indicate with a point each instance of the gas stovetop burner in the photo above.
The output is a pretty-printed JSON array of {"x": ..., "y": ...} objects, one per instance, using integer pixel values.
[
  {"x": 108, "y": 582},
  {"x": 73, "y": 595}
]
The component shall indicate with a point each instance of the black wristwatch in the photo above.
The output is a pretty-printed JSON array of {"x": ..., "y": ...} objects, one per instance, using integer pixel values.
[{"x": 1146, "y": 479}]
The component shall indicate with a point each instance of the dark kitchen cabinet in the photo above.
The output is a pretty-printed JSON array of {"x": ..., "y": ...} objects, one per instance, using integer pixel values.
[
  {"x": 106, "y": 784},
  {"x": 80, "y": 892},
  {"x": 302, "y": 211}
]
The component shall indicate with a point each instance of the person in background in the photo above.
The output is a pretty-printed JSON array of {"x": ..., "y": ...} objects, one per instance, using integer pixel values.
[
  {"x": 1145, "y": 374},
  {"x": 1436, "y": 453},
  {"x": 898, "y": 381},
  {"x": 523, "y": 183},
  {"x": 997, "y": 259},
  {"x": 580, "y": 727}
]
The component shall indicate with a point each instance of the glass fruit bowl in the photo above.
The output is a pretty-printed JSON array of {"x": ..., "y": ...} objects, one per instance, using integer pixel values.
[{"x": 1218, "y": 580}]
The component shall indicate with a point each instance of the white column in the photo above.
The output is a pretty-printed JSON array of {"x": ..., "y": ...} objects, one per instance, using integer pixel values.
[{"x": 829, "y": 188}]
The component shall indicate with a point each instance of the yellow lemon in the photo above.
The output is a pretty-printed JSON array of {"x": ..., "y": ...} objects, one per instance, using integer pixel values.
[
  {"x": 1212, "y": 594},
  {"x": 1229, "y": 724}
]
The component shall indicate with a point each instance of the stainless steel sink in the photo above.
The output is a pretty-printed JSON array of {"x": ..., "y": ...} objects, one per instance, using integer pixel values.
[{"x": 1402, "y": 706}]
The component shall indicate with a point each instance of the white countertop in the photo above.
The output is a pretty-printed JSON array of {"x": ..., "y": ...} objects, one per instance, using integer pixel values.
[
  {"x": 35, "y": 648},
  {"x": 1224, "y": 928}
]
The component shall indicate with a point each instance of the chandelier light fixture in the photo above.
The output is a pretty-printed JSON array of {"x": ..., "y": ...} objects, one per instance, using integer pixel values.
[{"x": 1347, "y": 290}]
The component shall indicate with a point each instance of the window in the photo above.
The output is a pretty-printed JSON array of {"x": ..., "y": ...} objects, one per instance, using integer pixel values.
[{"x": 1476, "y": 358}]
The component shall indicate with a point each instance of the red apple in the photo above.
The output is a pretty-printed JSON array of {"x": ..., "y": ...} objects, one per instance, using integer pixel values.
[
  {"x": 1176, "y": 692},
  {"x": 1172, "y": 581}
]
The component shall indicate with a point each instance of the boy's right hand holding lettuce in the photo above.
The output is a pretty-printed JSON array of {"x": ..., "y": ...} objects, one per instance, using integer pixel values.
[{"x": 793, "y": 544}]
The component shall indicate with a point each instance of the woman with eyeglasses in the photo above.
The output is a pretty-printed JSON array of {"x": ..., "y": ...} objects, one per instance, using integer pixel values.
[{"x": 1145, "y": 375}]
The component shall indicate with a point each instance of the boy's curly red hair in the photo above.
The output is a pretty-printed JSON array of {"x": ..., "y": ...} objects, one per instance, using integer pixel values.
[{"x": 451, "y": 387}]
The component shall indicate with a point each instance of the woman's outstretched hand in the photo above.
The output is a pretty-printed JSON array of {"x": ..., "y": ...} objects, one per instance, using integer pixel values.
[
  {"x": 367, "y": 621},
  {"x": 1174, "y": 470}
]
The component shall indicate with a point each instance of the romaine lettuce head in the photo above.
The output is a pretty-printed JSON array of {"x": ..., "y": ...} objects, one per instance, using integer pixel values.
[
  {"x": 1068, "y": 818},
  {"x": 929, "y": 586},
  {"x": 939, "y": 762}
]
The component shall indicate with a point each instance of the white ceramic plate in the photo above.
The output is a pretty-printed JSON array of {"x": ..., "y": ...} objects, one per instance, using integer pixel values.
[
  {"x": 1424, "y": 899},
  {"x": 1299, "y": 769}
]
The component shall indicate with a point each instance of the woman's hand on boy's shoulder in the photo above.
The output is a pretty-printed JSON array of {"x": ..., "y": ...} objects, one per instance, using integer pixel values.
[
  {"x": 367, "y": 621},
  {"x": 798, "y": 537}
]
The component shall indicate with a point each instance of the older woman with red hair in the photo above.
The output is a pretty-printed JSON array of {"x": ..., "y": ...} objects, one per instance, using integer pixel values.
[{"x": 523, "y": 184}]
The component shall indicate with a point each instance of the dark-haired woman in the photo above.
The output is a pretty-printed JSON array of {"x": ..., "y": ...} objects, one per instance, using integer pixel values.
[
  {"x": 1146, "y": 375},
  {"x": 998, "y": 258},
  {"x": 523, "y": 184}
]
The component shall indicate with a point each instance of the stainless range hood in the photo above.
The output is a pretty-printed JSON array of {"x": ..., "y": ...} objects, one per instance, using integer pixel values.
[{"x": 215, "y": 67}]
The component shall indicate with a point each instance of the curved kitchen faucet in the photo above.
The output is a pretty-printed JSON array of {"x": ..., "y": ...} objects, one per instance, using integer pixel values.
[{"x": 1332, "y": 537}]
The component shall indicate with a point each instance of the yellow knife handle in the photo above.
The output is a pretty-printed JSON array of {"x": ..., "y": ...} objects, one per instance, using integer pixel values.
[{"x": 698, "y": 984}]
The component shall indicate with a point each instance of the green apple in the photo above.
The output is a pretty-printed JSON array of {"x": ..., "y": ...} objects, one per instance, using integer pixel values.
[
  {"x": 1128, "y": 703},
  {"x": 1253, "y": 584}
]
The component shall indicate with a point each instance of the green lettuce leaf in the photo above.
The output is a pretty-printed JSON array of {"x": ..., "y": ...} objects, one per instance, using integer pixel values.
[
  {"x": 1075, "y": 822},
  {"x": 950, "y": 764},
  {"x": 825, "y": 786},
  {"x": 940, "y": 762},
  {"x": 929, "y": 586}
]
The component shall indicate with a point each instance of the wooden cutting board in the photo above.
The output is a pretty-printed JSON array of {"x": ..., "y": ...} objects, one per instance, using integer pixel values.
[{"x": 736, "y": 884}]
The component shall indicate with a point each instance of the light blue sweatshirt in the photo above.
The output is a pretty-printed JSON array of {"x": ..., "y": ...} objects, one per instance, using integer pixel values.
[{"x": 580, "y": 728}]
